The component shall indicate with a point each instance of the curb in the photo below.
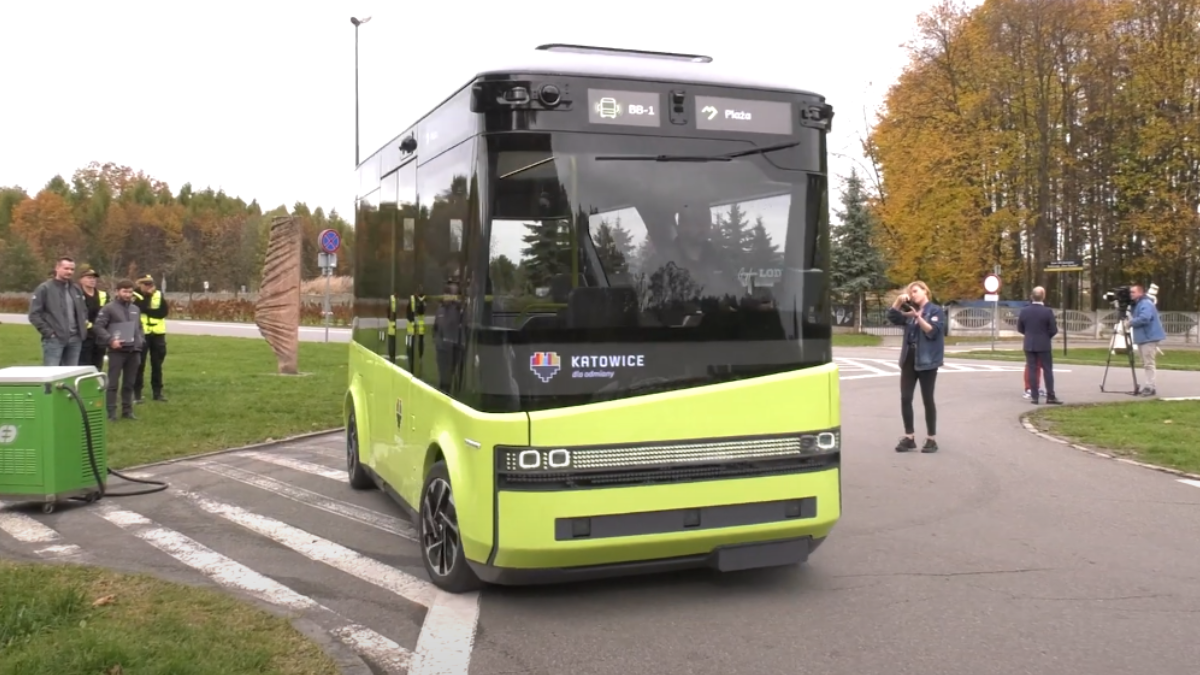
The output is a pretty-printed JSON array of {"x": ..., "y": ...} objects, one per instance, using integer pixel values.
[
  {"x": 213, "y": 453},
  {"x": 1100, "y": 453},
  {"x": 348, "y": 661}
]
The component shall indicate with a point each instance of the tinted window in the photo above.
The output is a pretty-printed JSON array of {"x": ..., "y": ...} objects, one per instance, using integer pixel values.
[
  {"x": 625, "y": 276},
  {"x": 443, "y": 191},
  {"x": 404, "y": 273},
  {"x": 372, "y": 273}
]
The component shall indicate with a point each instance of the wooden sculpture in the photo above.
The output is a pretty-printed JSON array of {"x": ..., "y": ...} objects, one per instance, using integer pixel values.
[{"x": 277, "y": 311}]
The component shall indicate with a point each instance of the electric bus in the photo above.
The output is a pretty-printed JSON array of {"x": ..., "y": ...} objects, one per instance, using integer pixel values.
[{"x": 592, "y": 329}]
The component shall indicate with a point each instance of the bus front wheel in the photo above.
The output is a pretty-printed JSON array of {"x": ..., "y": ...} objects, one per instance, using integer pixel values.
[
  {"x": 441, "y": 543},
  {"x": 359, "y": 479}
]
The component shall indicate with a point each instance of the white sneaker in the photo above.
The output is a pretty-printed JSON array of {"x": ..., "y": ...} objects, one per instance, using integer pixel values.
[{"x": 1026, "y": 396}]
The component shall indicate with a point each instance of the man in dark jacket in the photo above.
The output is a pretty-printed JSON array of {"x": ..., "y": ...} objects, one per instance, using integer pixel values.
[
  {"x": 119, "y": 325},
  {"x": 95, "y": 299},
  {"x": 1039, "y": 326},
  {"x": 58, "y": 312}
]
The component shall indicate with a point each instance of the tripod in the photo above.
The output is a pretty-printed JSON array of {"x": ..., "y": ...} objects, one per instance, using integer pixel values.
[{"x": 1123, "y": 332}]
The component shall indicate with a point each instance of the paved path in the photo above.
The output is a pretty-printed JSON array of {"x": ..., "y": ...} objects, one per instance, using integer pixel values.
[
  {"x": 1004, "y": 553},
  {"x": 215, "y": 328}
]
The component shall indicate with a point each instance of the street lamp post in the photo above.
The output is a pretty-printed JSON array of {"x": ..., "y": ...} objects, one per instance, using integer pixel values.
[{"x": 357, "y": 22}]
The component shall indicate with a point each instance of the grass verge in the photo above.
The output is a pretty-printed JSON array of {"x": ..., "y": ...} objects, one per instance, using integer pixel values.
[
  {"x": 1170, "y": 359},
  {"x": 71, "y": 619},
  {"x": 222, "y": 392},
  {"x": 1155, "y": 432}
]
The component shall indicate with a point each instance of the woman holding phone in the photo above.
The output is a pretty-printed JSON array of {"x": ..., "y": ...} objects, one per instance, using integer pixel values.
[{"x": 920, "y": 357}]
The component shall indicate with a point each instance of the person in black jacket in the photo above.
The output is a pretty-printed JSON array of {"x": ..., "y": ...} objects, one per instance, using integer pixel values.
[
  {"x": 1039, "y": 326},
  {"x": 119, "y": 325}
]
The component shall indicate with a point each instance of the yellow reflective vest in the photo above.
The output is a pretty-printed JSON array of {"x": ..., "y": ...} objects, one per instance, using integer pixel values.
[
  {"x": 103, "y": 301},
  {"x": 416, "y": 315},
  {"x": 152, "y": 326}
]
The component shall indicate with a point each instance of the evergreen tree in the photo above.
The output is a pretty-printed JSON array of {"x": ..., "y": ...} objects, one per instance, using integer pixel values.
[
  {"x": 858, "y": 266},
  {"x": 762, "y": 252},
  {"x": 547, "y": 251},
  {"x": 613, "y": 256},
  {"x": 733, "y": 234}
]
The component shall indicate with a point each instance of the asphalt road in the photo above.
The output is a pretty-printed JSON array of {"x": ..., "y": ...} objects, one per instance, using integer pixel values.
[
  {"x": 1004, "y": 553},
  {"x": 243, "y": 330}
]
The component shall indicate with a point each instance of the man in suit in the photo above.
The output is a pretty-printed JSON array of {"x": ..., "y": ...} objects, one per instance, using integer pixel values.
[{"x": 1039, "y": 326}]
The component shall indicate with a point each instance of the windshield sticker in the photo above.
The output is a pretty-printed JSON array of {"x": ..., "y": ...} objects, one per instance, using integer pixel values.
[
  {"x": 545, "y": 365},
  {"x": 599, "y": 366}
]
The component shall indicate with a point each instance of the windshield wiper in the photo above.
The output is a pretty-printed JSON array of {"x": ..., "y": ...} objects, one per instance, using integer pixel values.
[{"x": 727, "y": 157}]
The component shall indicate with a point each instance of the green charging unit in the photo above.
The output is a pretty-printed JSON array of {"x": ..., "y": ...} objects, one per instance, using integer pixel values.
[{"x": 43, "y": 441}]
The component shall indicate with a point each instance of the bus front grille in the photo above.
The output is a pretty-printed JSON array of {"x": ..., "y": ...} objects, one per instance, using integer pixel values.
[{"x": 524, "y": 468}]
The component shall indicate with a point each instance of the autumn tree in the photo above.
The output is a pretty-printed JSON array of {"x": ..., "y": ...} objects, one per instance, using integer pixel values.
[{"x": 1026, "y": 131}]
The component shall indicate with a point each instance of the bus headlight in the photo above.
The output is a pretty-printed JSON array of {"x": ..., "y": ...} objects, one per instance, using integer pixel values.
[
  {"x": 821, "y": 442},
  {"x": 535, "y": 459}
]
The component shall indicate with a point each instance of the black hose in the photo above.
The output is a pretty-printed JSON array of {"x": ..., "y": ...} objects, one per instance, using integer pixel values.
[{"x": 87, "y": 430}]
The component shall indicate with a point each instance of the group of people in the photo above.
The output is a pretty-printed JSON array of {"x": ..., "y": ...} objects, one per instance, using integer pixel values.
[
  {"x": 923, "y": 350},
  {"x": 80, "y": 324}
]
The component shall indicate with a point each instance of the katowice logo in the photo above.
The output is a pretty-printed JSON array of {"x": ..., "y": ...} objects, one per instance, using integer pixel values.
[{"x": 545, "y": 365}]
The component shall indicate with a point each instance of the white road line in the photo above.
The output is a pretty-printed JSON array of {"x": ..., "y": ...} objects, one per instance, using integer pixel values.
[
  {"x": 447, "y": 636},
  {"x": 1189, "y": 481},
  {"x": 29, "y": 531},
  {"x": 322, "y": 550},
  {"x": 226, "y": 572},
  {"x": 295, "y": 464},
  {"x": 377, "y": 520},
  {"x": 871, "y": 369}
]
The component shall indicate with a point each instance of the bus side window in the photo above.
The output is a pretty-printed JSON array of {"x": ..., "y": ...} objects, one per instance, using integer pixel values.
[{"x": 443, "y": 190}]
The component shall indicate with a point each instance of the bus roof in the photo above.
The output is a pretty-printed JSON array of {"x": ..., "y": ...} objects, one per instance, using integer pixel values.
[
  {"x": 629, "y": 64},
  {"x": 581, "y": 61}
]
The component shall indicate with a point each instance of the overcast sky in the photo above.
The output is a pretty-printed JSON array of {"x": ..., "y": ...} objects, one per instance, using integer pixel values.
[{"x": 257, "y": 98}]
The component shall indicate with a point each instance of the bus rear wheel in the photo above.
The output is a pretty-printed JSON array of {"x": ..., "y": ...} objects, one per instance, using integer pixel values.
[
  {"x": 441, "y": 543},
  {"x": 359, "y": 479}
]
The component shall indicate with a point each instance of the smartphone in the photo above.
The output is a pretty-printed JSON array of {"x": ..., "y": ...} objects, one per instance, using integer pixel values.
[{"x": 907, "y": 307}]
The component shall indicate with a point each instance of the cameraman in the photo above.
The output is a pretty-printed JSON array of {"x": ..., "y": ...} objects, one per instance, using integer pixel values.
[
  {"x": 920, "y": 357},
  {"x": 1147, "y": 333}
]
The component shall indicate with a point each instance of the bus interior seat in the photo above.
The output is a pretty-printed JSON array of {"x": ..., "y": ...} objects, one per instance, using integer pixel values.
[{"x": 602, "y": 307}]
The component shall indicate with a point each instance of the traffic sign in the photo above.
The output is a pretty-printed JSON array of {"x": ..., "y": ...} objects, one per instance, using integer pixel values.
[
  {"x": 991, "y": 283},
  {"x": 1064, "y": 266},
  {"x": 330, "y": 241},
  {"x": 991, "y": 297}
]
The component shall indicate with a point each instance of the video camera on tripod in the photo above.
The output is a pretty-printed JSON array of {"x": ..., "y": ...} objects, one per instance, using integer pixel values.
[{"x": 1121, "y": 299}]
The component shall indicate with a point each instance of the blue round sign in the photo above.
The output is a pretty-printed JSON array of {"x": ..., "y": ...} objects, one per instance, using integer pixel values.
[{"x": 330, "y": 241}]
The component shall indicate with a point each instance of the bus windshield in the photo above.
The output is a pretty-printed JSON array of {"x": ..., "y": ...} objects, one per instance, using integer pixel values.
[{"x": 622, "y": 265}]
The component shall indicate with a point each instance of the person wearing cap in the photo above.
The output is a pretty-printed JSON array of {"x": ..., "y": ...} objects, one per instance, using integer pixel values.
[
  {"x": 154, "y": 310},
  {"x": 92, "y": 353}
]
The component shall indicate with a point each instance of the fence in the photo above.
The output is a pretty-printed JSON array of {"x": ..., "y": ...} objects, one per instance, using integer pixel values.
[{"x": 1183, "y": 327}]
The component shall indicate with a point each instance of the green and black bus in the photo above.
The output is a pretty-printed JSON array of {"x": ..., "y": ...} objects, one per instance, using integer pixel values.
[{"x": 592, "y": 329}]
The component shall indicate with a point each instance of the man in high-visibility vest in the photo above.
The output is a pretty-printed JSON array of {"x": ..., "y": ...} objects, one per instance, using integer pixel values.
[
  {"x": 415, "y": 313},
  {"x": 391, "y": 329},
  {"x": 92, "y": 352},
  {"x": 154, "y": 310}
]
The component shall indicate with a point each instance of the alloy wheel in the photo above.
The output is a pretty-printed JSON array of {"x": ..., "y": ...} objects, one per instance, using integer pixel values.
[
  {"x": 351, "y": 444},
  {"x": 439, "y": 527}
]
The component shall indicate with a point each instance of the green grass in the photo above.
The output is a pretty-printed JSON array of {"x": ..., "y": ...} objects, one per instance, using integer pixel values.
[
  {"x": 856, "y": 340},
  {"x": 71, "y": 619},
  {"x": 1170, "y": 359},
  {"x": 222, "y": 393},
  {"x": 1155, "y": 432}
]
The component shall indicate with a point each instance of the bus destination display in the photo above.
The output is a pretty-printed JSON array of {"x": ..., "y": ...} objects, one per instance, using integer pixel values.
[
  {"x": 626, "y": 108},
  {"x": 731, "y": 114}
]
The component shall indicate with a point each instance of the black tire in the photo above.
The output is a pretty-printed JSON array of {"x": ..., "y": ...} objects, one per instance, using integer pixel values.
[
  {"x": 438, "y": 535},
  {"x": 359, "y": 478}
]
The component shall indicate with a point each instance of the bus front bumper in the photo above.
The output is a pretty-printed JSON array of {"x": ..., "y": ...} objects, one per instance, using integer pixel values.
[{"x": 549, "y": 536}]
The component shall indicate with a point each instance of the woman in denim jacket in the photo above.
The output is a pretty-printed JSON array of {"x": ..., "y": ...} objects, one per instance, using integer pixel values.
[{"x": 920, "y": 357}]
